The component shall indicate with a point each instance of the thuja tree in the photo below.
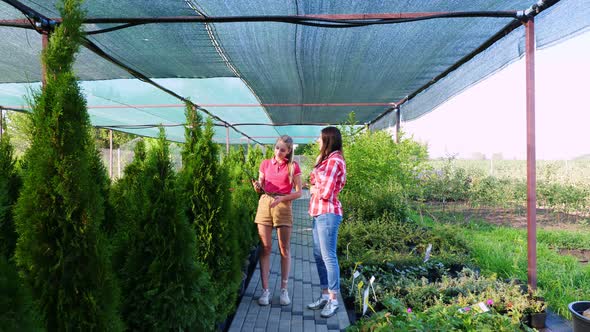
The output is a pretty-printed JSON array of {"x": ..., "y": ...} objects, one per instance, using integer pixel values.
[
  {"x": 269, "y": 151},
  {"x": 10, "y": 183},
  {"x": 204, "y": 185},
  {"x": 164, "y": 287},
  {"x": 253, "y": 159},
  {"x": 17, "y": 312},
  {"x": 243, "y": 197},
  {"x": 16, "y": 307},
  {"x": 128, "y": 200},
  {"x": 61, "y": 250}
]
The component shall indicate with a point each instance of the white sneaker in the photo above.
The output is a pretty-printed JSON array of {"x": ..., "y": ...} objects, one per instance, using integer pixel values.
[
  {"x": 264, "y": 299},
  {"x": 285, "y": 297},
  {"x": 320, "y": 303},
  {"x": 329, "y": 309}
]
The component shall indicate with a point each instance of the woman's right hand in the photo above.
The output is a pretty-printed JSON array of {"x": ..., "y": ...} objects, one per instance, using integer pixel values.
[{"x": 257, "y": 186}]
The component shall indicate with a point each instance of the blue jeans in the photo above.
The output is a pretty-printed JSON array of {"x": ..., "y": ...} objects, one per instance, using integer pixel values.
[{"x": 325, "y": 236}]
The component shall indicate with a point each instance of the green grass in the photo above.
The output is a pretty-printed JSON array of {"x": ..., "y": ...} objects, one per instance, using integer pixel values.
[{"x": 503, "y": 250}]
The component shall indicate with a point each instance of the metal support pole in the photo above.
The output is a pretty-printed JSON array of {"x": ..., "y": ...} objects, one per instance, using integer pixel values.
[
  {"x": 1, "y": 123},
  {"x": 44, "y": 44},
  {"x": 111, "y": 153},
  {"x": 118, "y": 163},
  {"x": 531, "y": 156},
  {"x": 227, "y": 140},
  {"x": 398, "y": 123}
]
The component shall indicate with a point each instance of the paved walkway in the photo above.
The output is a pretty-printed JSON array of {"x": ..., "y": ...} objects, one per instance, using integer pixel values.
[
  {"x": 304, "y": 287},
  {"x": 557, "y": 323}
]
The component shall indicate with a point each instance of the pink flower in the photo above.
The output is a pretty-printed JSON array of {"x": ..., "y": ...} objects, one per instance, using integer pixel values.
[
  {"x": 467, "y": 309},
  {"x": 409, "y": 310},
  {"x": 490, "y": 302}
]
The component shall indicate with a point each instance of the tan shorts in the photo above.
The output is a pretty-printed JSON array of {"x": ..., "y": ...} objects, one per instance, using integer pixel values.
[{"x": 280, "y": 215}]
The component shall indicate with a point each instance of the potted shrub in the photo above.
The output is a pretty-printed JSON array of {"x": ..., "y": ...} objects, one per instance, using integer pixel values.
[{"x": 536, "y": 313}]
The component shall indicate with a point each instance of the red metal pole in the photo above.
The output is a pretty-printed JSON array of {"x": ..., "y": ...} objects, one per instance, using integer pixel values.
[
  {"x": 45, "y": 44},
  {"x": 397, "y": 124},
  {"x": 111, "y": 153},
  {"x": 227, "y": 140},
  {"x": 531, "y": 157}
]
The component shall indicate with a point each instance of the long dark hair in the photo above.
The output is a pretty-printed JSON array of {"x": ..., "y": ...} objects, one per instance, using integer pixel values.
[{"x": 331, "y": 141}]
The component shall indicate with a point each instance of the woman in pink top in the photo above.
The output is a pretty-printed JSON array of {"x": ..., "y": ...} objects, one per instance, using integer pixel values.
[
  {"x": 328, "y": 178},
  {"x": 277, "y": 178}
]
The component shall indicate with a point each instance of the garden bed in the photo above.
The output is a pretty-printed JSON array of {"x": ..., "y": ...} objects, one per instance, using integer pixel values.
[
  {"x": 583, "y": 255},
  {"x": 408, "y": 274}
]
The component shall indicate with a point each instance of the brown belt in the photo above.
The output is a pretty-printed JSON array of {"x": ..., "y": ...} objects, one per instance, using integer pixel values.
[{"x": 274, "y": 194}]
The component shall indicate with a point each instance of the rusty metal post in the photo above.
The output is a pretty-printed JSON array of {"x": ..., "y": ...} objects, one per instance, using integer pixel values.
[
  {"x": 44, "y": 44},
  {"x": 119, "y": 163},
  {"x": 531, "y": 155},
  {"x": 111, "y": 153},
  {"x": 398, "y": 123},
  {"x": 227, "y": 139},
  {"x": 1, "y": 123}
]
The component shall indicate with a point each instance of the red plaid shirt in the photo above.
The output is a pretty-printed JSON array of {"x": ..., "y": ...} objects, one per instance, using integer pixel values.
[{"x": 328, "y": 179}]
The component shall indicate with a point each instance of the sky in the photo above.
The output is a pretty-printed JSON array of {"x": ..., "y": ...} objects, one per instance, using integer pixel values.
[{"x": 490, "y": 117}]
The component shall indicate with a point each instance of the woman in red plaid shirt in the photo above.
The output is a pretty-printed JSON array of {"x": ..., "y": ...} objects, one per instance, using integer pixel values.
[{"x": 327, "y": 178}]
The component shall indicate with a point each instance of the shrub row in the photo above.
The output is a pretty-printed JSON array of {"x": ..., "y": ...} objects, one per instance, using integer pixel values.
[
  {"x": 452, "y": 183},
  {"x": 158, "y": 251}
]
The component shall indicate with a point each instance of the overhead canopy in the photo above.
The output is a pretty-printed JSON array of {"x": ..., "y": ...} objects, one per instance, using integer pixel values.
[{"x": 265, "y": 68}]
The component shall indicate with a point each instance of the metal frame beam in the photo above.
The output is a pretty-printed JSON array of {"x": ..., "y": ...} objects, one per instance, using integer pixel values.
[
  {"x": 238, "y": 105},
  {"x": 321, "y": 20}
]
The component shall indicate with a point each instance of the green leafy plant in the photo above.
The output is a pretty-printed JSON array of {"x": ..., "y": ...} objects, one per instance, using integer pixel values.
[
  {"x": 436, "y": 318},
  {"x": 380, "y": 173},
  {"x": 502, "y": 250}
]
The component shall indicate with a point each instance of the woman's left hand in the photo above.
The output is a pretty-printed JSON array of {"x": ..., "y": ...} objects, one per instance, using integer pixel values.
[
  {"x": 313, "y": 190},
  {"x": 277, "y": 200}
]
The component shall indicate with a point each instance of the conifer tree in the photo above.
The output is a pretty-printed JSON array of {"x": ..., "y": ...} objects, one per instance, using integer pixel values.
[
  {"x": 17, "y": 312},
  {"x": 253, "y": 159},
  {"x": 61, "y": 250},
  {"x": 10, "y": 183},
  {"x": 164, "y": 287},
  {"x": 244, "y": 200},
  {"x": 205, "y": 188},
  {"x": 16, "y": 307},
  {"x": 128, "y": 201}
]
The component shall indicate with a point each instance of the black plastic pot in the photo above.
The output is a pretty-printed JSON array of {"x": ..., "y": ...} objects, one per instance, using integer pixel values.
[
  {"x": 580, "y": 323},
  {"x": 537, "y": 320}
]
